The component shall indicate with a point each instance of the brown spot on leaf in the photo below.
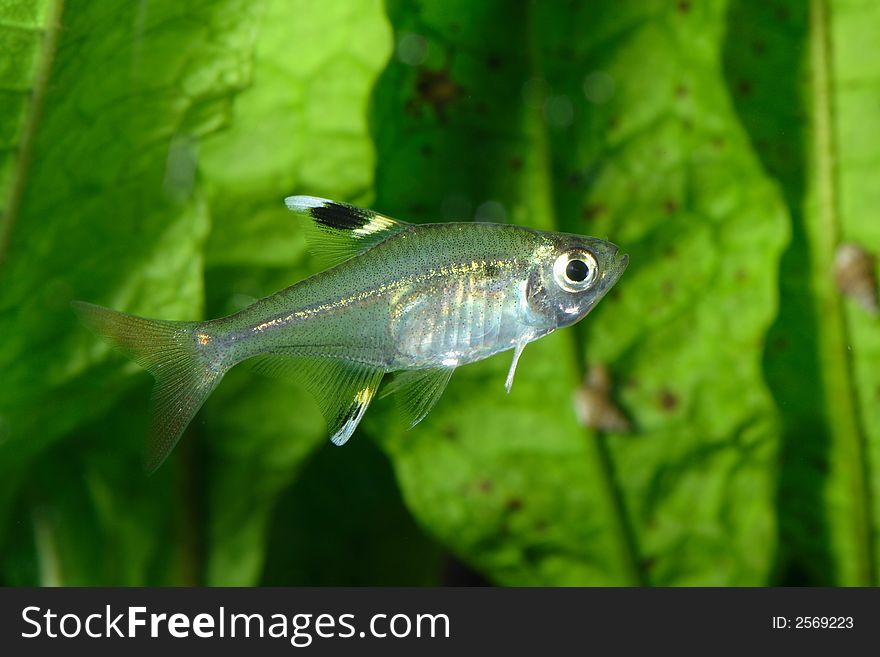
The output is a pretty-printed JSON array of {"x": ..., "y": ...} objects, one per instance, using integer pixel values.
[
  {"x": 780, "y": 343},
  {"x": 668, "y": 400},
  {"x": 683, "y": 6},
  {"x": 593, "y": 211},
  {"x": 493, "y": 62},
  {"x": 759, "y": 47},
  {"x": 667, "y": 288},
  {"x": 485, "y": 486},
  {"x": 514, "y": 504},
  {"x": 437, "y": 89},
  {"x": 516, "y": 163},
  {"x": 681, "y": 91},
  {"x": 744, "y": 88},
  {"x": 426, "y": 150},
  {"x": 718, "y": 142},
  {"x": 671, "y": 206}
]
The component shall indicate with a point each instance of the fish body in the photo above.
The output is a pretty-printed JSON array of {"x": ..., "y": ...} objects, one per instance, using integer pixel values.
[{"x": 416, "y": 299}]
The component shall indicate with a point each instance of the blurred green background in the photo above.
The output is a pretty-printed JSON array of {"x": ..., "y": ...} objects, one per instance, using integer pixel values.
[{"x": 728, "y": 147}]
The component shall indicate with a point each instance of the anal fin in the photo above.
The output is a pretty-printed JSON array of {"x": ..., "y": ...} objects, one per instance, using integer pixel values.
[{"x": 342, "y": 388}]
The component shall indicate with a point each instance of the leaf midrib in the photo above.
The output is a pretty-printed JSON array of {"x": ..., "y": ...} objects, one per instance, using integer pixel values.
[
  {"x": 594, "y": 441},
  {"x": 31, "y": 123},
  {"x": 840, "y": 392}
]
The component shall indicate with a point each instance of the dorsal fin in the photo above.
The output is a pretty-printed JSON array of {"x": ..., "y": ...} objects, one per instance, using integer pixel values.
[{"x": 340, "y": 231}]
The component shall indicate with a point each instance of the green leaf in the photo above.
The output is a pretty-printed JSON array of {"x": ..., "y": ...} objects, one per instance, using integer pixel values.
[
  {"x": 343, "y": 524},
  {"x": 110, "y": 214},
  {"x": 260, "y": 431},
  {"x": 103, "y": 106},
  {"x": 846, "y": 164},
  {"x": 808, "y": 96},
  {"x": 728, "y": 147},
  {"x": 86, "y": 518},
  {"x": 301, "y": 127},
  {"x": 578, "y": 133}
]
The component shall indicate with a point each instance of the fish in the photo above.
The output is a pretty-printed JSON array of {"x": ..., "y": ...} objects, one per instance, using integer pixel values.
[{"x": 415, "y": 300}]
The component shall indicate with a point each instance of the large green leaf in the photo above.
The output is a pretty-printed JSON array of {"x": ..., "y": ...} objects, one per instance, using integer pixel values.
[
  {"x": 104, "y": 104},
  {"x": 809, "y": 98},
  {"x": 343, "y": 524},
  {"x": 145, "y": 149},
  {"x": 845, "y": 161},
  {"x": 611, "y": 119},
  {"x": 301, "y": 128},
  {"x": 89, "y": 518},
  {"x": 100, "y": 202}
]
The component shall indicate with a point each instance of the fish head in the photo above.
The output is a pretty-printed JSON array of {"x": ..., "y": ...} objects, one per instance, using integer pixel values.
[{"x": 570, "y": 274}]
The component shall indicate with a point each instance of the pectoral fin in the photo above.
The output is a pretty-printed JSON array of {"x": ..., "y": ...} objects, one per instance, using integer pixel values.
[
  {"x": 517, "y": 352},
  {"x": 419, "y": 390},
  {"x": 342, "y": 388},
  {"x": 340, "y": 231}
]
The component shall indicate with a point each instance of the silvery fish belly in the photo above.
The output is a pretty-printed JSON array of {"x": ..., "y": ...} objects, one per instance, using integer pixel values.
[
  {"x": 418, "y": 300},
  {"x": 458, "y": 320}
]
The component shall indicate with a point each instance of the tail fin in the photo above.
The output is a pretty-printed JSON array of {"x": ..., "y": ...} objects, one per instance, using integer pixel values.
[{"x": 174, "y": 353}]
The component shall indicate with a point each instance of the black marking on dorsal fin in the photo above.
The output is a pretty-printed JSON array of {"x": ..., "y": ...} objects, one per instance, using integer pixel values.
[
  {"x": 342, "y": 230},
  {"x": 340, "y": 217}
]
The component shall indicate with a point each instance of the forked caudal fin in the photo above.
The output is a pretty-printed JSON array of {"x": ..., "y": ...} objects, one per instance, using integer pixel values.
[{"x": 175, "y": 354}]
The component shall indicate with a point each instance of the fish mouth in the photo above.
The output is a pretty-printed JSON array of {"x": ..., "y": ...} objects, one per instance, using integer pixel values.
[{"x": 616, "y": 266}]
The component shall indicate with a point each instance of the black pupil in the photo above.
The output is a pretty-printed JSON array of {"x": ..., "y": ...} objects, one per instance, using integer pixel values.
[{"x": 576, "y": 270}]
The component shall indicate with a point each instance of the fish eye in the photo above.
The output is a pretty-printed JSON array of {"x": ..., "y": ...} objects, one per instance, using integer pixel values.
[{"x": 575, "y": 271}]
